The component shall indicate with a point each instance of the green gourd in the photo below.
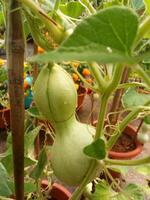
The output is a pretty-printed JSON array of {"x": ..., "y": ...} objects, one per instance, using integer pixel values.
[
  {"x": 54, "y": 94},
  {"x": 56, "y": 98}
]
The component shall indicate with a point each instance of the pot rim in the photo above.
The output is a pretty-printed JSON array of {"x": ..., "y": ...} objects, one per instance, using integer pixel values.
[
  {"x": 130, "y": 154},
  {"x": 57, "y": 191}
]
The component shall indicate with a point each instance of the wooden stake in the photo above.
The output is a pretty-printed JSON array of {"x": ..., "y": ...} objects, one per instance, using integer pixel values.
[{"x": 15, "y": 63}]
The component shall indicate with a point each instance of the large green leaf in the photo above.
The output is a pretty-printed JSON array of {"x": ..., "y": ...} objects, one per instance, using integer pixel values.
[
  {"x": 130, "y": 191},
  {"x": 132, "y": 98},
  {"x": 28, "y": 187},
  {"x": 105, "y": 37},
  {"x": 4, "y": 188},
  {"x": 73, "y": 9},
  {"x": 104, "y": 192},
  {"x": 7, "y": 161},
  {"x": 96, "y": 150}
]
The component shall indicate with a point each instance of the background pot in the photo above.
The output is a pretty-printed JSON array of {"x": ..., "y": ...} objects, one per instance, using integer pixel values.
[
  {"x": 4, "y": 118},
  {"x": 131, "y": 131},
  {"x": 58, "y": 192}
]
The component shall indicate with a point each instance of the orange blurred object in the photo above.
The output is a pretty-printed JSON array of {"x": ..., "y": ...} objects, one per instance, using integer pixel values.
[
  {"x": 40, "y": 50},
  {"x": 75, "y": 77},
  {"x": 89, "y": 80},
  {"x": 25, "y": 85},
  {"x": 86, "y": 72}
]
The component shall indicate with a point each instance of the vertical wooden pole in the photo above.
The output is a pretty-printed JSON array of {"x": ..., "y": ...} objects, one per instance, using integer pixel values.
[{"x": 15, "y": 62}]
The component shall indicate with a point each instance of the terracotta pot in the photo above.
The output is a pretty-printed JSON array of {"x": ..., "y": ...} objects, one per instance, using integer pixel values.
[
  {"x": 129, "y": 130},
  {"x": 81, "y": 95},
  {"x": 4, "y": 118},
  {"x": 58, "y": 192}
]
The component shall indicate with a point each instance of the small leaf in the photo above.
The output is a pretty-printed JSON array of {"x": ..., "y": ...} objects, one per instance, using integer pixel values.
[
  {"x": 34, "y": 112},
  {"x": 73, "y": 9},
  {"x": 96, "y": 150},
  {"x": 132, "y": 98},
  {"x": 38, "y": 170},
  {"x": 102, "y": 192},
  {"x": 4, "y": 188},
  {"x": 105, "y": 37},
  {"x": 147, "y": 119},
  {"x": 29, "y": 187}
]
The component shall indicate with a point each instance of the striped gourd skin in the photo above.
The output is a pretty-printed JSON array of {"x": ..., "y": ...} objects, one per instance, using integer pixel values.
[{"x": 55, "y": 94}]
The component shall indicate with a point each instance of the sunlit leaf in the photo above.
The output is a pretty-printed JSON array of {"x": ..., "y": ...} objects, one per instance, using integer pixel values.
[{"x": 73, "y": 9}]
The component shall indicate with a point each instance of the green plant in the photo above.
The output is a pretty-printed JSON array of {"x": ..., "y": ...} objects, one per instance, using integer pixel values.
[
  {"x": 34, "y": 170},
  {"x": 109, "y": 36},
  {"x": 113, "y": 43},
  {"x": 3, "y": 86}
]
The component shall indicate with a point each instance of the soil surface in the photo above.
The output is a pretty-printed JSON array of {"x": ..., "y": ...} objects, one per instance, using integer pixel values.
[{"x": 125, "y": 143}]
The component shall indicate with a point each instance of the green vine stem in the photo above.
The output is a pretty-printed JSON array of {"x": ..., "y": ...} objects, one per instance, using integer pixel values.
[
  {"x": 88, "y": 4},
  {"x": 143, "y": 74},
  {"x": 143, "y": 30},
  {"x": 102, "y": 84},
  {"x": 128, "y": 162},
  {"x": 57, "y": 31},
  {"x": 116, "y": 134},
  {"x": 99, "y": 129},
  {"x": 15, "y": 63},
  {"x": 118, "y": 71},
  {"x": 103, "y": 107}
]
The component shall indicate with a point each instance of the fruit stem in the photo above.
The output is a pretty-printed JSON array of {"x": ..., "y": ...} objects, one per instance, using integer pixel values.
[{"x": 102, "y": 84}]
